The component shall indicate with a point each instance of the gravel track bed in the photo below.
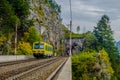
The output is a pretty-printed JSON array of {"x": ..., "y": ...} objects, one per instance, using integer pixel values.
[
  {"x": 7, "y": 68},
  {"x": 10, "y": 70},
  {"x": 42, "y": 73},
  {"x": 16, "y": 62}
]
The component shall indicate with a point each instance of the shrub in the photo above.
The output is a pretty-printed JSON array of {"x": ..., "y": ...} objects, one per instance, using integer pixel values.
[
  {"x": 2, "y": 39},
  {"x": 83, "y": 65},
  {"x": 92, "y": 66},
  {"x": 24, "y": 48}
]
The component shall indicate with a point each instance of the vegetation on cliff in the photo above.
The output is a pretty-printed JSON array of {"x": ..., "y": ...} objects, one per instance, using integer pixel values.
[{"x": 92, "y": 66}]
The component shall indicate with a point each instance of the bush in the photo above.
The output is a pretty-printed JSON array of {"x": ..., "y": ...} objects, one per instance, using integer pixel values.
[
  {"x": 24, "y": 48},
  {"x": 83, "y": 66},
  {"x": 92, "y": 66},
  {"x": 2, "y": 39}
]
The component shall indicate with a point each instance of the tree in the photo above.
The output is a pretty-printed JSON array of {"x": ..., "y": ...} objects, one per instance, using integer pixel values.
[
  {"x": 105, "y": 40},
  {"x": 7, "y": 17},
  {"x": 8, "y": 20},
  {"x": 21, "y": 10},
  {"x": 32, "y": 35},
  {"x": 90, "y": 40},
  {"x": 104, "y": 36},
  {"x": 78, "y": 29}
]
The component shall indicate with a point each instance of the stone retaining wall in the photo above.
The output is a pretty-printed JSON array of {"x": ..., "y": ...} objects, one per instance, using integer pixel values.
[{"x": 13, "y": 58}]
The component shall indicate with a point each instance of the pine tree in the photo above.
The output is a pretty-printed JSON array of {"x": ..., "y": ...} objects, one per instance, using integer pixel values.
[
  {"x": 105, "y": 40},
  {"x": 104, "y": 36}
]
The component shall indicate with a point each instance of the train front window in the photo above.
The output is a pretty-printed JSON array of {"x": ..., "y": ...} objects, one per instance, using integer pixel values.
[
  {"x": 36, "y": 46},
  {"x": 41, "y": 46}
]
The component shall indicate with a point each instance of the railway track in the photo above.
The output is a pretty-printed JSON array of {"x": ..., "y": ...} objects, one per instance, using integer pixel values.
[
  {"x": 34, "y": 70},
  {"x": 16, "y": 62},
  {"x": 56, "y": 73}
]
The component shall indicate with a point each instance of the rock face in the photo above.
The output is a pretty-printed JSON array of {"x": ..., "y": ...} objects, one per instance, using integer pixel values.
[
  {"x": 47, "y": 19},
  {"x": 77, "y": 44}
]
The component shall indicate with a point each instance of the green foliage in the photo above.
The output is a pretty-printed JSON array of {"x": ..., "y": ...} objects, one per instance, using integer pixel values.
[
  {"x": 12, "y": 11},
  {"x": 40, "y": 12},
  {"x": 106, "y": 65},
  {"x": 21, "y": 10},
  {"x": 74, "y": 35},
  {"x": 21, "y": 7},
  {"x": 2, "y": 39},
  {"x": 105, "y": 40},
  {"x": 32, "y": 35},
  {"x": 82, "y": 66},
  {"x": 8, "y": 22},
  {"x": 7, "y": 17},
  {"x": 55, "y": 6},
  {"x": 116, "y": 68},
  {"x": 91, "y": 65},
  {"x": 15, "y": 13},
  {"x": 104, "y": 36},
  {"x": 24, "y": 48},
  {"x": 90, "y": 40}
]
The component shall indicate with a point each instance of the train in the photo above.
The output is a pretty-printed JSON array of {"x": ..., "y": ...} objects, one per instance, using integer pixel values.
[{"x": 42, "y": 49}]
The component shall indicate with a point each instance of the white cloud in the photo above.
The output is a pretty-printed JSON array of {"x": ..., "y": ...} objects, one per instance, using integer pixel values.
[
  {"x": 115, "y": 24},
  {"x": 80, "y": 7},
  {"x": 117, "y": 35},
  {"x": 87, "y": 13}
]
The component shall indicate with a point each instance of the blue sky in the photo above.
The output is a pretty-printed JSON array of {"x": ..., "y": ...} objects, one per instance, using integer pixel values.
[{"x": 86, "y": 14}]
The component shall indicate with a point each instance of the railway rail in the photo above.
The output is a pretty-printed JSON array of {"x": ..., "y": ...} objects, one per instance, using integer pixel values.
[
  {"x": 16, "y": 62},
  {"x": 33, "y": 70},
  {"x": 56, "y": 73}
]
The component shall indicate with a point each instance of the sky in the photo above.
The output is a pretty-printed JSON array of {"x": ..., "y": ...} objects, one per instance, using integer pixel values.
[{"x": 87, "y": 13}]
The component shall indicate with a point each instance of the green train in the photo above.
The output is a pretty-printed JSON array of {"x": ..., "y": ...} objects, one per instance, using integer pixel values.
[{"x": 42, "y": 49}]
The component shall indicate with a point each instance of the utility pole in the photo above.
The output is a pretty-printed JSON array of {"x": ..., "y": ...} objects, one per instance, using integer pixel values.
[
  {"x": 70, "y": 28},
  {"x": 16, "y": 37}
]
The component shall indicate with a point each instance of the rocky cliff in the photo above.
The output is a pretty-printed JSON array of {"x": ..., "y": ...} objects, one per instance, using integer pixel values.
[{"x": 47, "y": 19}]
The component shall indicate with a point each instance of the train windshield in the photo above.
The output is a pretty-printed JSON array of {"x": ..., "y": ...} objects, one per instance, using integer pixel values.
[
  {"x": 38, "y": 46},
  {"x": 41, "y": 46}
]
